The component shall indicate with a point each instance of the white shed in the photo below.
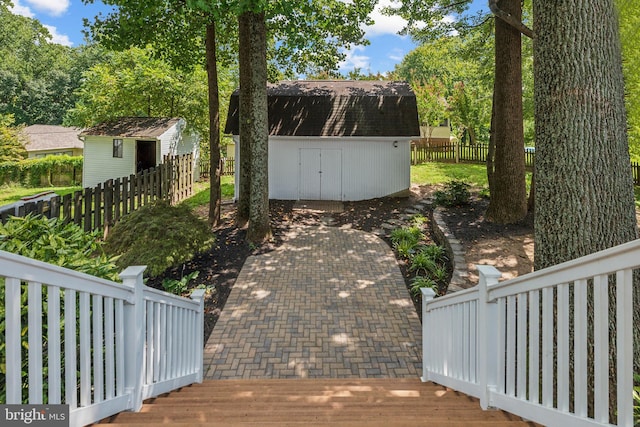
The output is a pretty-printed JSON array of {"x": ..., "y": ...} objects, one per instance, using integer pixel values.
[
  {"x": 336, "y": 140},
  {"x": 131, "y": 144}
]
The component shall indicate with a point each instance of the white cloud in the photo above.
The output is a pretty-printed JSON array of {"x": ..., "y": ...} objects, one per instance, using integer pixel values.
[
  {"x": 62, "y": 39},
  {"x": 19, "y": 9},
  {"x": 396, "y": 55},
  {"x": 50, "y": 7},
  {"x": 384, "y": 24},
  {"x": 355, "y": 60}
]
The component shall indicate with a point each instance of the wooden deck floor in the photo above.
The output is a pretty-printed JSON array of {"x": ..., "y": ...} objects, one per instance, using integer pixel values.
[{"x": 318, "y": 402}]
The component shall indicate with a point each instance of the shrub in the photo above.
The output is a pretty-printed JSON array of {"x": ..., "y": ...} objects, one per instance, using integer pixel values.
[
  {"x": 159, "y": 236},
  {"x": 179, "y": 287},
  {"x": 456, "y": 193},
  {"x": 53, "y": 241}
]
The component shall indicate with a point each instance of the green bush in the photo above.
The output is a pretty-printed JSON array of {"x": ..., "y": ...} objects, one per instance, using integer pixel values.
[
  {"x": 30, "y": 172},
  {"x": 53, "y": 241},
  {"x": 455, "y": 193},
  {"x": 159, "y": 236}
]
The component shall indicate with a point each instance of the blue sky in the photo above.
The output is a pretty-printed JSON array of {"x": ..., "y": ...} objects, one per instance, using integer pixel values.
[{"x": 63, "y": 18}]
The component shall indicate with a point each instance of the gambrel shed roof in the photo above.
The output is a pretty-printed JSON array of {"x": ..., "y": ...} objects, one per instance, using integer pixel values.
[{"x": 337, "y": 108}]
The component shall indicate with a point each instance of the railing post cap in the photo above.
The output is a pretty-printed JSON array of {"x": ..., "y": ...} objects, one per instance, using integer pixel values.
[
  {"x": 132, "y": 272},
  {"x": 489, "y": 271},
  {"x": 197, "y": 294},
  {"x": 427, "y": 293}
]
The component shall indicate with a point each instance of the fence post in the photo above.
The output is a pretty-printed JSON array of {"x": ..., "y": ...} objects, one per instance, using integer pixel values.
[
  {"x": 198, "y": 295},
  {"x": 427, "y": 295},
  {"x": 134, "y": 335},
  {"x": 487, "y": 338}
]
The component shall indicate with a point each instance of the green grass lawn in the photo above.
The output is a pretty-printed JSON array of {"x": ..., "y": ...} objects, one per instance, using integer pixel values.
[
  {"x": 13, "y": 193},
  {"x": 201, "y": 192},
  {"x": 440, "y": 173}
]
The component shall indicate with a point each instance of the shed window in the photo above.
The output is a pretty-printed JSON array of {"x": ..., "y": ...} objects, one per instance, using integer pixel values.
[{"x": 117, "y": 148}]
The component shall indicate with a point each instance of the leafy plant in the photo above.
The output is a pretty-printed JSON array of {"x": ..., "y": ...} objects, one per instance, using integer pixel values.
[
  {"x": 455, "y": 193},
  {"x": 159, "y": 236},
  {"x": 420, "y": 282},
  {"x": 423, "y": 262},
  {"x": 419, "y": 220},
  {"x": 405, "y": 248},
  {"x": 53, "y": 241},
  {"x": 434, "y": 251},
  {"x": 411, "y": 234},
  {"x": 180, "y": 286}
]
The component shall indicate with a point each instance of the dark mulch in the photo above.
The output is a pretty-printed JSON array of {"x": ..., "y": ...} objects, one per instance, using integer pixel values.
[{"x": 470, "y": 225}]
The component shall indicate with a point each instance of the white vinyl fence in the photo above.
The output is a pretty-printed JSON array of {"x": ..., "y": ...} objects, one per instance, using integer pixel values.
[
  {"x": 534, "y": 347},
  {"x": 99, "y": 346}
]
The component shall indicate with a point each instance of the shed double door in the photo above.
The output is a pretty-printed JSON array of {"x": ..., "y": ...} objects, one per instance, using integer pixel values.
[{"x": 320, "y": 174}]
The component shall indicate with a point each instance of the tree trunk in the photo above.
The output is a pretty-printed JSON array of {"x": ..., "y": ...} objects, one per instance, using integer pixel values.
[
  {"x": 244, "y": 164},
  {"x": 259, "y": 227},
  {"x": 214, "y": 126},
  {"x": 584, "y": 190},
  {"x": 508, "y": 202}
]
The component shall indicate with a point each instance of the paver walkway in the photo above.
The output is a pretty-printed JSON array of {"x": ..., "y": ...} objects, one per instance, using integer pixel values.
[{"x": 328, "y": 303}]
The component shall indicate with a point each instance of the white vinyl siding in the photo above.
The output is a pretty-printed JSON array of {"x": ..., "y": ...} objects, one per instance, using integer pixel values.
[
  {"x": 370, "y": 167},
  {"x": 99, "y": 163}
]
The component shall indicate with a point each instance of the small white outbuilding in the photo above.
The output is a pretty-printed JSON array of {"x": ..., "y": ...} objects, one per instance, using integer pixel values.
[
  {"x": 336, "y": 140},
  {"x": 132, "y": 144}
]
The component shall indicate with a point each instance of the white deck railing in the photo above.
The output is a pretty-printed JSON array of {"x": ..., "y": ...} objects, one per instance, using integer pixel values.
[
  {"x": 107, "y": 345},
  {"x": 522, "y": 345}
]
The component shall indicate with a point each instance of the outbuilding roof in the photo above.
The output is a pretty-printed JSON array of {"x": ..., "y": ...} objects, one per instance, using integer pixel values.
[
  {"x": 133, "y": 127},
  {"x": 50, "y": 137},
  {"x": 337, "y": 108}
]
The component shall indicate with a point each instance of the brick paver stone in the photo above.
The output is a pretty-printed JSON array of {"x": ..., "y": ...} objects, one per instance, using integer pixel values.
[{"x": 328, "y": 303}]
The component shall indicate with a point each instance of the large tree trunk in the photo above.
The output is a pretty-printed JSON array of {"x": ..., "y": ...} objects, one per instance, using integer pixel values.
[
  {"x": 259, "y": 227},
  {"x": 584, "y": 190},
  {"x": 244, "y": 164},
  {"x": 214, "y": 126},
  {"x": 508, "y": 202}
]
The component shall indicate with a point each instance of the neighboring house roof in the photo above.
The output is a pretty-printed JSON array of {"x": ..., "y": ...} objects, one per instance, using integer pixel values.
[
  {"x": 49, "y": 137},
  {"x": 337, "y": 108},
  {"x": 133, "y": 127}
]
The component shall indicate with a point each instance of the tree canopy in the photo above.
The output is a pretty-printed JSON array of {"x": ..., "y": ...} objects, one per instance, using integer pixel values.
[{"x": 37, "y": 77}]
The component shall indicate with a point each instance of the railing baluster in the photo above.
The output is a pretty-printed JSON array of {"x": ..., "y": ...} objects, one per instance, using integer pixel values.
[
  {"x": 70, "y": 364},
  {"x": 53, "y": 345},
  {"x": 149, "y": 343},
  {"x": 120, "y": 353},
  {"x": 624, "y": 344},
  {"x": 580, "y": 347},
  {"x": 156, "y": 342},
  {"x": 163, "y": 343},
  {"x": 511, "y": 346},
  {"x": 35, "y": 343},
  {"x": 534, "y": 346},
  {"x": 601, "y": 348},
  {"x": 562, "y": 369},
  {"x": 109, "y": 346},
  {"x": 547, "y": 347},
  {"x": 98, "y": 362},
  {"x": 85, "y": 350},
  {"x": 521, "y": 353},
  {"x": 13, "y": 338}
]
